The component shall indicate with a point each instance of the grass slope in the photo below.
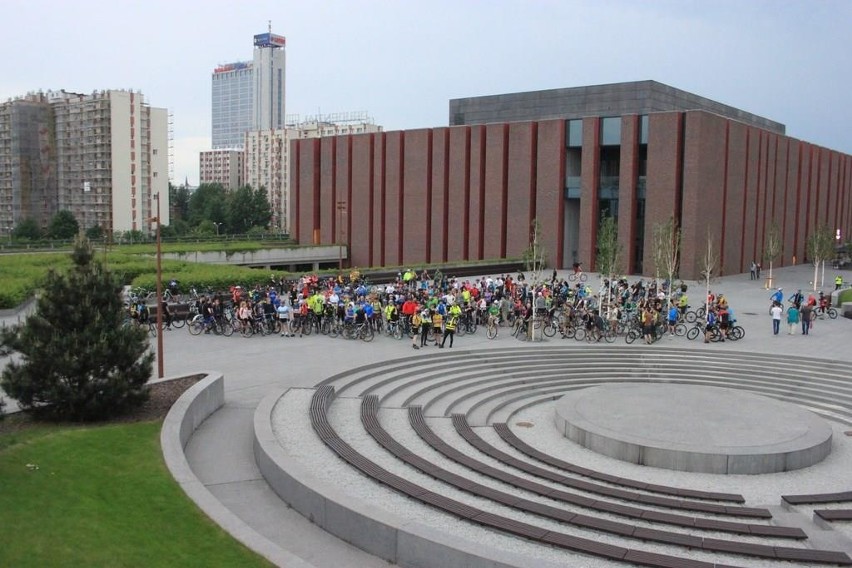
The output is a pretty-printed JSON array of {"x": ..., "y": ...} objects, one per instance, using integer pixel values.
[{"x": 102, "y": 496}]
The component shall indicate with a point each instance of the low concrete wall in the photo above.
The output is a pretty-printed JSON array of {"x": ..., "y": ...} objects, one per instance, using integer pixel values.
[
  {"x": 393, "y": 538},
  {"x": 186, "y": 415}
]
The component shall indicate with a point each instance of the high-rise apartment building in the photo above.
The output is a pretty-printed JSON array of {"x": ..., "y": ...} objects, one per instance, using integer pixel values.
[
  {"x": 224, "y": 167},
  {"x": 102, "y": 156},
  {"x": 267, "y": 154},
  {"x": 249, "y": 95}
]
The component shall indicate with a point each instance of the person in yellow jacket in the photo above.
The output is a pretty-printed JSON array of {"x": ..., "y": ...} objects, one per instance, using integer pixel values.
[{"x": 450, "y": 329}]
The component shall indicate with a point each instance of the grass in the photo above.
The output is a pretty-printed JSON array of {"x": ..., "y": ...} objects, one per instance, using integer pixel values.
[{"x": 101, "y": 496}]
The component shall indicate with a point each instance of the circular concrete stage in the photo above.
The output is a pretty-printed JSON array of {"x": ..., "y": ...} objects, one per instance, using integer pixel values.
[{"x": 694, "y": 428}]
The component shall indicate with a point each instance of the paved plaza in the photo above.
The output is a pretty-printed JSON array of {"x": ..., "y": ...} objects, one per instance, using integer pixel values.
[{"x": 221, "y": 453}]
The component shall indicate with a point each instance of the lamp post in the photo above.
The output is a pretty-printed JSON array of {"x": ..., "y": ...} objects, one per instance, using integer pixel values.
[
  {"x": 217, "y": 227},
  {"x": 160, "y": 362},
  {"x": 341, "y": 214}
]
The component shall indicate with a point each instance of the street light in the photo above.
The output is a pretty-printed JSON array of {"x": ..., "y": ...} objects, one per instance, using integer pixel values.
[
  {"x": 341, "y": 214},
  {"x": 160, "y": 362},
  {"x": 217, "y": 227}
]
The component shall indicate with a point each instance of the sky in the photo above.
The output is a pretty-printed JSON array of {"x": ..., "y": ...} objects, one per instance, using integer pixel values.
[{"x": 402, "y": 61}]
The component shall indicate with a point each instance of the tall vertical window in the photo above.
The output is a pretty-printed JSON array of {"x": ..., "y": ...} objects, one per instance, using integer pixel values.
[
  {"x": 610, "y": 167},
  {"x": 573, "y": 158}
]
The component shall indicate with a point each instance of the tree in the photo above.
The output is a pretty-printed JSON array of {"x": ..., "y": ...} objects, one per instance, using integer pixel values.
[
  {"x": 76, "y": 358},
  {"x": 63, "y": 225},
  {"x": 248, "y": 208},
  {"x": 709, "y": 260},
  {"x": 179, "y": 198},
  {"x": 773, "y": 247},
  {"x": 95, "y": 233},
  {"x": 535, "y": 256},
  {"x": 208, "y": 202},
  {"x": 608, "y": 260},
  {"x": 820, "y": 247},
  {"x": 27, "y": 229},
  {"x": 667, "y": 249}
]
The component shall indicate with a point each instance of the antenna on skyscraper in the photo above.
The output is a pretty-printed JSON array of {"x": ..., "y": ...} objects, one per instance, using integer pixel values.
[{"x": 269, "y": 22}]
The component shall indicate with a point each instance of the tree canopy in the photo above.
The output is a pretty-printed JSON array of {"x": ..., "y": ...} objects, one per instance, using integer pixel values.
[{"x": 63, "y": 225}]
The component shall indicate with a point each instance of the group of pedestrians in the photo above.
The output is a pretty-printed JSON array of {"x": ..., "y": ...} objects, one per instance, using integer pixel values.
[{"x": 801, "y": 311}]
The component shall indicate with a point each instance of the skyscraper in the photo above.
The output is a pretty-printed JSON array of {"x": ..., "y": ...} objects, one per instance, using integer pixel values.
[
  {"x": 233, "y": 97},
  {"x": 268, "y": 69},
  {"x": 249, "y": 95}
]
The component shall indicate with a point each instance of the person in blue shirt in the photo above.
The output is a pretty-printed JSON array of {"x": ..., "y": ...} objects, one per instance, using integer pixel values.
[
  {"x": 778, "y": 296},
  {"x": 673, "y": 313},
  {"x": 711, "y": 325}
]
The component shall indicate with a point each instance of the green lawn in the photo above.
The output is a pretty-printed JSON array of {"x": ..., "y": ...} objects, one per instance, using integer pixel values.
[{"x": 102, "y": 496}]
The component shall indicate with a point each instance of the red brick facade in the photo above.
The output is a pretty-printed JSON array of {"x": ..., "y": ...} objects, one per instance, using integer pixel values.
[{"x": 472, "y": 192}]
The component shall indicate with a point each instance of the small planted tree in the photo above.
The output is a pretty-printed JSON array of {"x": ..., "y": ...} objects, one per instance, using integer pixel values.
[
  {"x": 709, "y": 261},
  {"x": 535, "y": 256},
  {"x": 77, "y": 360},
  {"x": 772, "y": 248},
  {"x": 667, "y": 249},
  {"x": 63, "y": 225},
  {"x": 820, "y": 246},
  {"x": 608, "y": 259}
]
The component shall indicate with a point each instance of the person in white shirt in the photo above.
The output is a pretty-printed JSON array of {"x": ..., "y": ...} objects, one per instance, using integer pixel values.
[{"x": 776, "y": 312}]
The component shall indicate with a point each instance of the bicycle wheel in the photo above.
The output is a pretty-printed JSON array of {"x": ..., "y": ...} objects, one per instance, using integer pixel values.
[
  {"x": 580, "y": 334},
  {"x": 307, "y": 327},
  {"x": 491, "y": 331},
  {"x": 690, "y": 317},
  {"x": 610, "y": 336},
  {"x": 152, "y": 329},
  {"x": 196, "y": 326},
  {"x": 460, "y": 330},
  {"x": 583, "y": 277},
  {"x": 569, "y": 332},
  {"x": 226, "y": 328},
  {"x": 246, "y": 330},
  {"x": 550, "y": 329},
  {"x": 178, "y": 323},
  {"x": 631, "y": 336},
  {"x": 736, "y": 333},
  {"x": 367, "y": 334},
  {"x": 680, "y": 329},
  {"x": 693, "y": 332},
  {"x": 832, "y": 313},
  {"x": 397, "y": 332}
]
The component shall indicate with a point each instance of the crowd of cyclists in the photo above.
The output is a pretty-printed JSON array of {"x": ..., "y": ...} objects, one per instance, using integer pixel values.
[{"x": 433, "y": 308}]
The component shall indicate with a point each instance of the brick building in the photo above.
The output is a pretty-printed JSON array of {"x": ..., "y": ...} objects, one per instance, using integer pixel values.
[{"x": 641, "y": 152}]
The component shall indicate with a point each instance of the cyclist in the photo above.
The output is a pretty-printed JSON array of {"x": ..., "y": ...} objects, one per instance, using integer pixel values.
[
  {"x": 672, "y": 317},
  {"x": 167, "y": 314},
  {"x": 173, "y": 287},
  {"x": 710, "y": 326}
]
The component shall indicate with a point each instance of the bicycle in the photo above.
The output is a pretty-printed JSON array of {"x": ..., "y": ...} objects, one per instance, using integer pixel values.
[
  {"x": 578, "y": 276},
  {"x": 491, "y": 328},
  {"x": 830, "y": 312},
  {"x": 393, "y": 329},
  {"x": 521, "y": 329}
]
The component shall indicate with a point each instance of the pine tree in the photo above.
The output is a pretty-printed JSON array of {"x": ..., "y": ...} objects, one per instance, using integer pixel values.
[{"x": 77, "y": 360}]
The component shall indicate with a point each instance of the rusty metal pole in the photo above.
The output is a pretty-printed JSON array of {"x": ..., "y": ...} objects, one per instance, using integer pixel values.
[{"x": 160, "y": 356}]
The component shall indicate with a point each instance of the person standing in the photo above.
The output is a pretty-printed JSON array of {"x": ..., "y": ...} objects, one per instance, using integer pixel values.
[
  {"x": 450, "y": 329},
  {"x": 806, "y": 315},
  {"x": 792, "y": 318},
  {"x": 753, "y": 270},
  {"x": 776, "y": 312},
  {"x": 838, "y": 282}
]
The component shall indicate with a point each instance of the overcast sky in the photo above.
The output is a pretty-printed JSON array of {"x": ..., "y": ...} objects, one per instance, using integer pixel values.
[{"x": 401, "y": 61}]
